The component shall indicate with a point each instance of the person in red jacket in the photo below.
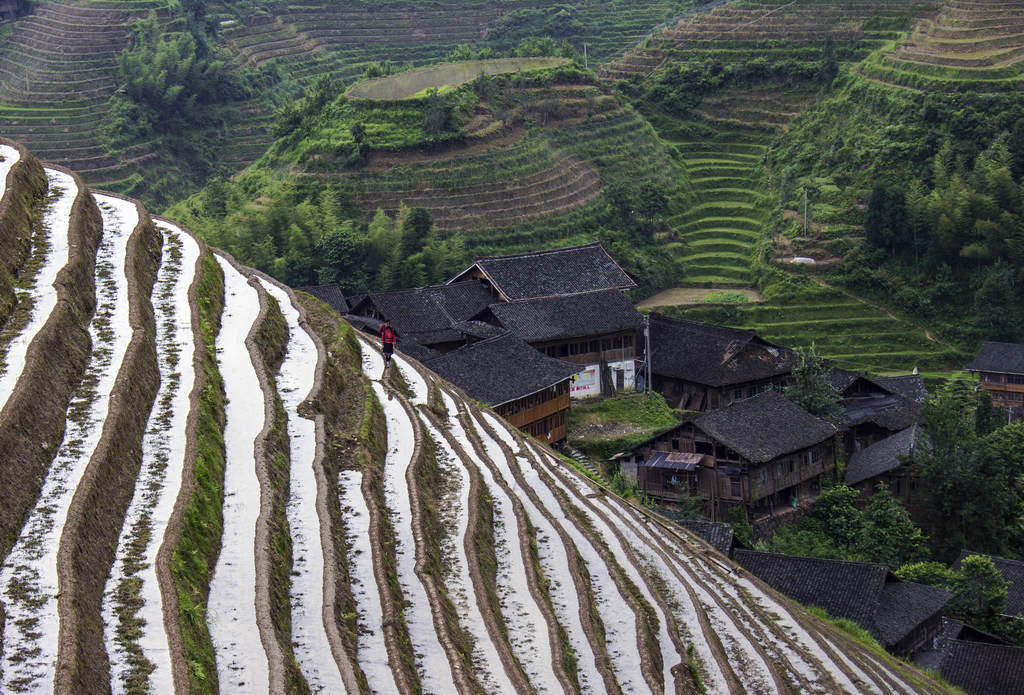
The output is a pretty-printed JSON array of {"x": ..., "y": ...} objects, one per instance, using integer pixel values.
[{"x": 388, "y": 340}]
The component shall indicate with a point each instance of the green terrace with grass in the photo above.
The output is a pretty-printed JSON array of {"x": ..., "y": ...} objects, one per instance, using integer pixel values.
[
  {"x": 853, "y": 334},
  {"x": 602, "y": 428}
]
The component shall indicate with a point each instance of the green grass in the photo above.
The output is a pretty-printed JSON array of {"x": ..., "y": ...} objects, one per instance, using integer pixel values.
[
  {"x": 854, "y": 334},
  {"x": 195, "y": 556},
  {"x": 413, "y": 84},
  {"x": 635, "y": 417}
]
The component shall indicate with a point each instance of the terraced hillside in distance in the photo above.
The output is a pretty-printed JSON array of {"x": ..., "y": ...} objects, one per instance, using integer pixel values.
[
  {"x": 235, "y": 495},
  {"x": 722, "y": 146},
  {"x": 969, "y": 46},
  {"x": 547, "y": 154},
  {"x": 774, "y": 30},
  {"x": 852, "y": 333},
  {"x": 57, "y": 71},
  {"x": 58, "y": 68},
  {"x": 325, "y": 38}
]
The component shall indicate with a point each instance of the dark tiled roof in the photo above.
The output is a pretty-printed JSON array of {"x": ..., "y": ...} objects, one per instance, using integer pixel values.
[
  {"x": 570, "y": 316},
  {"x": 479, "y": 329},
  {"x": 984, "y": 669},
  {"x": 501, "y": 369},
  {"x": 903, "y": 606},
  {"x": 428, "y": 314},
  {"x": 866, "y": 593},
  {"x": 331, "y": 295},
  {"x": 718, "y": 535},
  {"x": 884, "y": 455},
  {"x": 406, "y": 347},
  {"x": 1013, "y": 572},
  {"x": 555, "y": 272},
  {"x": 844, "y": 589},
  {"x": 713, "y": 355},
  {"x": 999, "y": 357},
  {"x": 764, "y": 427},
  {"x": 842, "y": 379},
  {"x": 910, "y": 386}
]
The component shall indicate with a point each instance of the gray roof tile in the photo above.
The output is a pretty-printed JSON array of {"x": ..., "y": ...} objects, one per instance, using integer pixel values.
[
  {"x": 703, "y": 353},
  {"x": 764, "y": 427},
  {"x": 500, "y": 369},
  {"x": 556, "y": 272},
  {"x": 866, "y": 593},
  {"x": 569, "y": 316},
  {"x": 999, "y": 357},
  {"x": 884, "y": 455}
]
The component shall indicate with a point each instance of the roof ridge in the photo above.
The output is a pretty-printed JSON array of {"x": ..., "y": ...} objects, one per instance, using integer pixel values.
[{"x": 543, "y": 252}]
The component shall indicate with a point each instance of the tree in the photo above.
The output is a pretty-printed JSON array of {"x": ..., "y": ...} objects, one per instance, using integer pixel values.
[
  {"x": 838, "y": 517},
  {"x": 811, "y": 388},
  {"x": 928, "y": 572},
  {"x": 415, "y": 229},
  {"x": 341, "y": 259},
  {"x": 979, "y": 593},
  {"x": 888, "y": 535},
  {"x": 437, "y": 113}
]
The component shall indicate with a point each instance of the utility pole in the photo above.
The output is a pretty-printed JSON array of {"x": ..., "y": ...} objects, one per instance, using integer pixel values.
[
  {"x": 805, "y": 212},
  {"x": 647, "y": 355}
]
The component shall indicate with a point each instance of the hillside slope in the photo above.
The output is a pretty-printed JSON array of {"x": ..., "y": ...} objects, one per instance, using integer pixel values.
[{"x": 372, "y": 531}]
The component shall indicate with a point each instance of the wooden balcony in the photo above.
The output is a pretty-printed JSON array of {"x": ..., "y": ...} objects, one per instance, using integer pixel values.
[{"x": 539, "y": 412}]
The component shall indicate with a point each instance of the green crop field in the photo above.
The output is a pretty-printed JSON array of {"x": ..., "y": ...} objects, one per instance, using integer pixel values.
[{"x": 412, "y": 84}]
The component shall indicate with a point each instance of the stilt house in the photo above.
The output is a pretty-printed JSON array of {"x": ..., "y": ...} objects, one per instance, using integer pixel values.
[
  {"x": 1000, "y": 370},
  {"x": 528, "y": 389},
  {"x": 568, "y": 303},
  {"x": 700, "y": 366},
  {"x": 764, "y": 454}
]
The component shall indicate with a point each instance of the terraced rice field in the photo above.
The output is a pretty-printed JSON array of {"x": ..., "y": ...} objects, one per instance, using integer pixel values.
[
  {"x": 973, "y": 46},
  {"x": 57, "y": 70},
  {"x": 772, "y": 30},
  {"x": 852, "y": 333},
  {"x": 511, "y": 177},
  {"x": 723, "y": 148},
  {"x": 246, "y": 500}
]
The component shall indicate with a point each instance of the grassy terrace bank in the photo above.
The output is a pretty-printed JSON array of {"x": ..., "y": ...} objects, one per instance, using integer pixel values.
[
  {"x": 195, "y": 554},
  {"x": 272, "y": 344}
]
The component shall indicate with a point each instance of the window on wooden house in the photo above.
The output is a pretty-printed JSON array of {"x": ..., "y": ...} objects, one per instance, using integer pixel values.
[
  {"x": 735, "y": 487},
  {"x": 595, "y": 346},
  {"x": 675, "y": 445},
  {"x": 1015, "y": 378},
  {"x": 627, "y": 341},
  {"x": 704, "y": 448},
  {"x": 790, "y": 465},
  {"x": 737, "y": 394}
]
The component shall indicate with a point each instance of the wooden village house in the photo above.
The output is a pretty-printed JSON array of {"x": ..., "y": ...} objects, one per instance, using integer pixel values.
[
  {"x": 429, "y": 321},
  {"x": 765, "y": 454},
  {"x": 1000, "y": 370},
  {"x": 528, "y": 389},
  {"x": 875, "y": 408},
  {"x": 700, "y": 366},
  {"x": 569, "y": 304},
  {"x": 884, "y": 462}
]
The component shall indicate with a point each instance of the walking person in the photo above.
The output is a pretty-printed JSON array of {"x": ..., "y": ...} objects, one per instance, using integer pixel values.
[{"x": 388, "y": 340}]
